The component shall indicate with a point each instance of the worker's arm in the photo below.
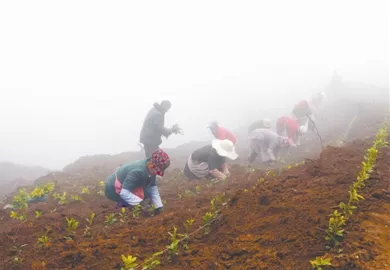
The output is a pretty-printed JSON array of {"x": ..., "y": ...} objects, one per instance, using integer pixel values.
[
  {"x": 217, "y": 174},
  {"x": 225, "y": 170},
  {"x": 154, "y": 196},
  {"x": 132, "y": 181}
]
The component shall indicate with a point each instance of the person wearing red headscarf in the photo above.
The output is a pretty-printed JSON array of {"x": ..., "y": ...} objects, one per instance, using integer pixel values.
[{"x": 221, "y": 133}]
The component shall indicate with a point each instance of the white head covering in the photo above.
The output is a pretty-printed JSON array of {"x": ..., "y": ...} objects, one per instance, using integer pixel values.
[{"x": 225, "y": 148}]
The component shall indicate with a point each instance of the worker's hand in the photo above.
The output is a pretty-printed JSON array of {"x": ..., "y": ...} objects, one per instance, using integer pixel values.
[{"x": 176, "y": 129}]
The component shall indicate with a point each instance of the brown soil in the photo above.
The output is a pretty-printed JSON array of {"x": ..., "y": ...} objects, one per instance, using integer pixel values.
[{"x": 277, "y": 223}]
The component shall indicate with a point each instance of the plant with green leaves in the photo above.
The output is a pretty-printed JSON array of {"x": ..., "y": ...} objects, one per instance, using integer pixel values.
[
  {"x": 152, "y": 261},
  {"x": 85, "y": 190},
  {"x": 38, "y": 213},
  {"x": 90, "y": 219},
  {"x": 110, "y": 219},
  {"x": 129, "y": 262},
  {"x": 173, "y": 248},
  {"x": 44, "y": 241},
  {"x": 137, "y": 211},
  {"x": 180, "y": 196},
  {"x": 42, "y": 190},
  {"x": 188, "y": 193},
  {"x": 62, "y": 199},
  {"x": 71, "y": 224},
  {"x": 335, "y": 232},
  {"x": 213, "y": 205},
  {"x": 188, "y": 224},
  {"x": 87, "y": 232},
  {"x": 20, "y": 200},
  {"x": 219, "y": 198},
  {"x": 122, "y": 215},
  {"x": 16, "y": 215},
  {"x": 77, "y": 198},
  {"x": 320, "y": 262},
  {"x": 197, "y": 190},
  {"x": 207, "y": 218}
]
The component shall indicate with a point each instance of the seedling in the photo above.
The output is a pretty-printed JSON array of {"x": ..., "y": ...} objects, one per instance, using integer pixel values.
[
  {"x": 335, "y": 231},
  {"x": 206, "y": 220},
  {"x": 197, "y": 190},
  {"x": 71, "y": 224},
  {"x": 20, "y": 200},
  {"x": 219, "y": 198},
  {"x": 17, "y": 260},
  {"x": 38, "y": 213},
  {"x": 90, "y": 219},
  {"x": 44, "y": 241},
  {"x": 260, "y": 180},
  {"x": 180, "y": 196},
  {"x": 85, "y": 190},
  {"x": 137, "y": 211},
  {"x": 188, "y": 224},
  {"x": 18, "y": 216},
  {"x": 87, "y": 232},
  {"x": 129, "y": 262},
  {"x": 320, "y": 262},
  {"x": 122, "y": 215},
  {"x": 188, "y": 193},
  {"x": 110, "y": 219},
  {"x": 213, "y": 206},
  {"x": 61, "y": 198},
  {"x": 173, "y": 248},
  {"x": 347, "y": 209},
  {"x": 76, "y": 198},
  {"x": 40, "y": 191},
  {"x": 152, "y": 262}
]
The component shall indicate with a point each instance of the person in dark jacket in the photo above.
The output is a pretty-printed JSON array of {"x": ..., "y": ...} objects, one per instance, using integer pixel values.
[
  {"x": 153, "y": 127},
  {"x": 132, "y": 182}
]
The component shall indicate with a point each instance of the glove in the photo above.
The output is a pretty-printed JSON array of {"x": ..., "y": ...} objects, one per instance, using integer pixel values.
[
  {"x": 158, "y": 210},
  {"x": 176, "y": 129}
]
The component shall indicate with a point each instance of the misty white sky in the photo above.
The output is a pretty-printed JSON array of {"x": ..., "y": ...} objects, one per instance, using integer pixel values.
[{"x": 78, "y": 77}]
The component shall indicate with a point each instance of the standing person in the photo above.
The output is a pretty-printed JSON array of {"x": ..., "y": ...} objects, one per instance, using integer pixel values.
[
  {"x": 267, "y": 144},
  {"x": 129, "y": 184},
  {"x": 210, "y": 160},
  {"x": 289, "y": 127},
  {"x": 221, "y": 133},
  {"x": 305, "y": 109},
  {"x": 153, "y": 128},
  {"x": 264, "y": 123}
]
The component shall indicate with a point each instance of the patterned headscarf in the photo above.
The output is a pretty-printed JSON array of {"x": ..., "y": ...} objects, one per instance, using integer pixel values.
[{"x": 160, "y": 161}]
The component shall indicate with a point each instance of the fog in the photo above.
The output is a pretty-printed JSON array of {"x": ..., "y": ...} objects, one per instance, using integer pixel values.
[{"x": 78, "y": 77}]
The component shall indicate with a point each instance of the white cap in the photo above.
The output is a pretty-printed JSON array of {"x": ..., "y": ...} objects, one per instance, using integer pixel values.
[{"x": 225, "y": 148}]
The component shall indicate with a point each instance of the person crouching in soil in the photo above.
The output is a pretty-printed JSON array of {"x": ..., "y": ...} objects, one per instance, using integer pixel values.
[
  {"x": 132, "y": 182},
  {"x": 266, "y": 144},
  {"x": 210, "y": 161},
  {"x": 289, "y": 127}
]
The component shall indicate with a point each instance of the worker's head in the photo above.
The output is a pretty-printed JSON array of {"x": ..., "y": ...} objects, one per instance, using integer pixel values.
[
  {"x": 158, "y": 163},
  {"x": 225, "y": 148},
  {"x": 165, "y": 105},
  {"x": 213, "y": 127},
  {"x": 267, "y": 123}
]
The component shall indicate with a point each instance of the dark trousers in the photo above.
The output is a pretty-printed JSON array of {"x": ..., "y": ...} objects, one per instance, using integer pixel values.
[{"x": 149, "y": 149}]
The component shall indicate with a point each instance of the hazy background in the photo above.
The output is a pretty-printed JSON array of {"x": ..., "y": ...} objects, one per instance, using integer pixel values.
[{"x": 78, "y": 77}]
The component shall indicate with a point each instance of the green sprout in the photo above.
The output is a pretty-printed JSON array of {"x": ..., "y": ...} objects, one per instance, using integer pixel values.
[
  {"x": 110, "y": 219},
  {"x": 129, "y": 262}
]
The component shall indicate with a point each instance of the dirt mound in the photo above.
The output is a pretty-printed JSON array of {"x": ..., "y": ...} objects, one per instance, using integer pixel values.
[{"x": 276, "y": 225}]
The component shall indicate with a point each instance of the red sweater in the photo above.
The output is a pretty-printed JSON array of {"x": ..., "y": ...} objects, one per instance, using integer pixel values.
[
  {"x": 291, "y": 126},
  {"x": 224, "y": 134}
]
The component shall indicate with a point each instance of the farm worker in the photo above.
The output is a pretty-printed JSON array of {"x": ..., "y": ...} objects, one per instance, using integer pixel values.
[
  {"x": 264, "y": 123},
  {"x": 305, "y": 109},
  {"x": 210, "y": 160},
  {"x": 221, "y": 133},
  {"x": 153, "y": 128},
  {"x": 288, "y": 126},
  {"x": 132, "y": 182},
  {"x": 267, "y": 144}
]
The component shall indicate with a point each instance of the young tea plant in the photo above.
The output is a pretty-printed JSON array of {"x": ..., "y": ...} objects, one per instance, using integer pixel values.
[
  {"x": 188, "y": 224},
  {"x": 129, "y": 262},
  {"x": 206, "y": 220},
  {"x": 38, "y": 213},
  {"x": 44, "y": 242},
  {"x": 137, "y": 211},
  {"x": 85, "y": 190},
  {"x": 71, "y": 224},
  {"x": 173, "y": 248},
  {"x": 122, "y": 215},
  {"x": 16, "y": 215},
  {"x": 152, "y": 262},
  {"x": 320, "y": 262},
  {"x": 90, "y": 219},
  {"x": 62, "y": 199},
  {"x": 110, "y": 219},
  {"x": 335, "y": 232},
  {"x": 197, "y": 190},
  {"x": 76, "y": 198}
]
